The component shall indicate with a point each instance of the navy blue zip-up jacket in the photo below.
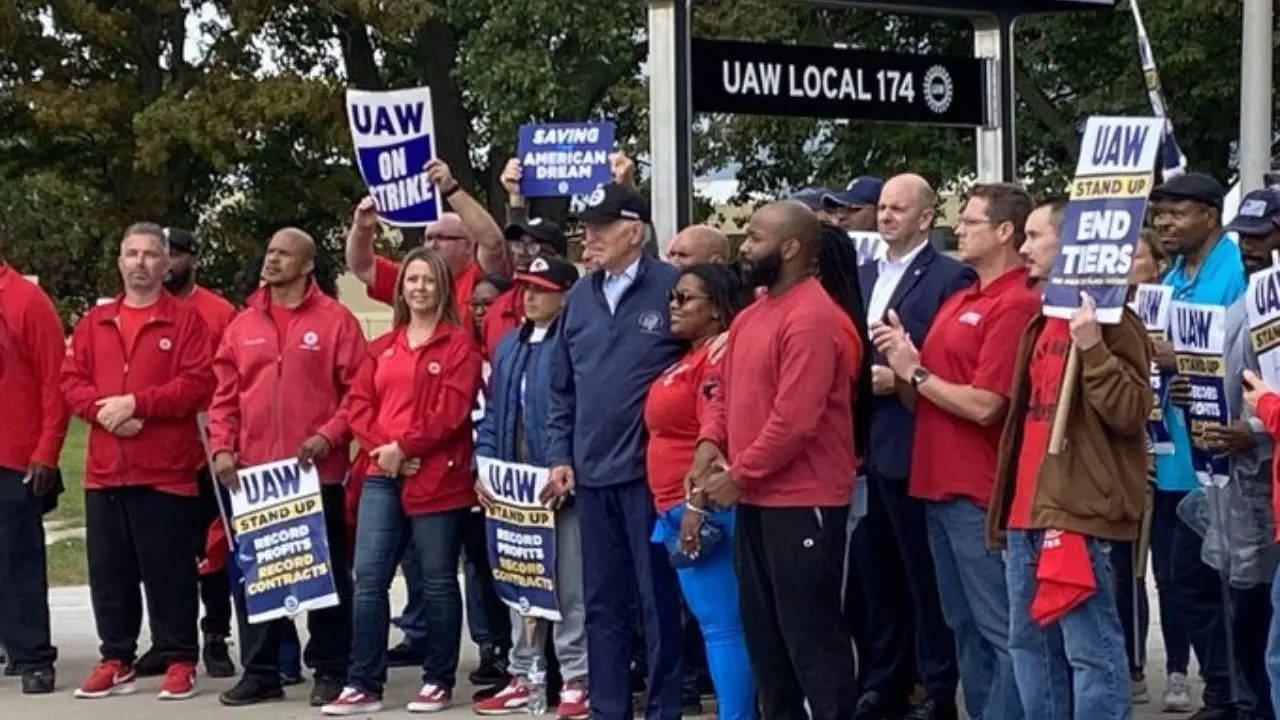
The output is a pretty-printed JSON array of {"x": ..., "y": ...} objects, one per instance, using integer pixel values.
[
  {"x": 517, "y": 358},
  {"x": 601, "y": 370}
]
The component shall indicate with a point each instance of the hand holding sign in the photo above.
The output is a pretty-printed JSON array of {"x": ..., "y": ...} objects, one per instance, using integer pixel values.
[
  {"x": 511, "y": 175},
  {"x": 1179, "y": 391},
  {"x": 440, "y": 174},
  {"x": 224, "y": 469},
  {"x": 559, "y": 485},
  {"x": 623, "y": 169},
  {"x": 1085, "y": 332},
  {"x": 366, "y": 217},
  {"x": 1163, "y": 355},
  {"x": 1233, "y": 438},
  {"x": 314, "y": 449},
  {"x": 1254, "y": 388}
]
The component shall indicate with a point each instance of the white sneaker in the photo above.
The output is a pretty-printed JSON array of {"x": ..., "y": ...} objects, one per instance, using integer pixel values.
[
  {"x": 1139, "y": 695},
  {"x": 1177, "y": 694}
]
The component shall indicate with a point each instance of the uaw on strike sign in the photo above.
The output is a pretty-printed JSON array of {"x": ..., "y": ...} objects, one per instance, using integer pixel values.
[
  {"x": 1104, "y": 217},
  {"x": 281, "y": 547},
  {"x": 521, "y": 535},
  {"x": 394, "y": 138}
]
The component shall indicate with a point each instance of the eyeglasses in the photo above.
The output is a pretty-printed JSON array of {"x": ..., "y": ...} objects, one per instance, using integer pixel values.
[
  {"x": 680, "y": 297},
  {"x": 448, "y": 238},
  {"x": 532, "y": 249},
  {"x": 970, "y": 222}
]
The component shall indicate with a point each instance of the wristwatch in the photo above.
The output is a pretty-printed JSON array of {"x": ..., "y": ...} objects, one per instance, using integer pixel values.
[{"x": 919, "y": 375}]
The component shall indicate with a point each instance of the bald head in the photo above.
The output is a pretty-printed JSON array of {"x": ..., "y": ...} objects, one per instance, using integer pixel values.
[
  {"x": 698, "y": 244},
  {"x": 452, "y": 240},
  {"x": 298, "y": 240},
  {"x": 905, "y": 214},
  {"x": 781, "y": 246},
  {"x": 290, "y": 259}
]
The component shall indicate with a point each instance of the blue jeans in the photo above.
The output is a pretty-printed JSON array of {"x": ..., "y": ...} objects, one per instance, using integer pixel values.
[
  {"x": 382, "y": 532},
  {"x": 975, "y": 605},
  {"x": 1273, "y": 642},
  {"x": 710, "y": 590},
  {"x": 1079, "y": 657}
]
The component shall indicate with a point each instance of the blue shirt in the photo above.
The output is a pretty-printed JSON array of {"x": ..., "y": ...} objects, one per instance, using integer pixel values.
[
  {"x": 616, "y": 285},
  {"x": 1220, "y": 281}
]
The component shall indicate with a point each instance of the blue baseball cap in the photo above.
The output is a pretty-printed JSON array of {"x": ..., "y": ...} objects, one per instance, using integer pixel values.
[
  {"x": 864, "y": 190},
  {"x": 811, "y": 197},
  {"x": 1259, "y": 213}
]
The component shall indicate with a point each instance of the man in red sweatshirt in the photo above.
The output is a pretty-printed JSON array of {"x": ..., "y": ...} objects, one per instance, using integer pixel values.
[
  {"x": 780, "y": 444},
  {"x": 31, "y": 349},
  {"x": 138, "y": 370},
  {"x": 283, "y": 367}
]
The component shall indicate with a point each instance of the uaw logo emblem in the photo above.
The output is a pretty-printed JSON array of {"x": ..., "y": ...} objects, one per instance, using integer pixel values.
[
  {"x": 310, "y": 338},
  {"x": 596, "y": 197},
  {"x": 650, "y": 321},
  {"x": 525, "y": 606},
  {"x": 938, "y": 89},
  {"x": 166, "y": 344},
  {"x": 291, "y": 604},
  {"x": 539, "y": 265},
  {"x": 433, "y": 368}
]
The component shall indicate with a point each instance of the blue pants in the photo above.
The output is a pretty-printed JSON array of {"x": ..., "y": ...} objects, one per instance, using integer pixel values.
[
  {"x": 619, "y": 563},
  {"x": 382, "y": 532},
  {"x": 1164, "y": 520},
  {"x": 710, "y": 589},
  {"x": 975, "y": 604},
  {"x": 1081, "y": 657},
  {"x": 1273, "y": 642}
]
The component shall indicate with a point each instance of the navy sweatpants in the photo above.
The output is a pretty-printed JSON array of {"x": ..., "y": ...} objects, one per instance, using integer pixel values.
[{"x": 619, "y": 562}]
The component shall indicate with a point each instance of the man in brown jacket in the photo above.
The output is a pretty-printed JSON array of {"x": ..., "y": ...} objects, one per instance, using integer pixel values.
[{"x": 1083, "y": 498}]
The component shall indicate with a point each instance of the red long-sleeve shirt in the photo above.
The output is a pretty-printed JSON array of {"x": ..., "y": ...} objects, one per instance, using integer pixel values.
[
  {"x": 31, "y": 350},
  {"x": 785, "y": 418},
  {"x": 1269, "y": 414}
]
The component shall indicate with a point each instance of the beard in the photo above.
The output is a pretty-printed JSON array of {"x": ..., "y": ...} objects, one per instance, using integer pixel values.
[
  {"x": 764, "y": 273},
  {"x": 176, "y": 280}
]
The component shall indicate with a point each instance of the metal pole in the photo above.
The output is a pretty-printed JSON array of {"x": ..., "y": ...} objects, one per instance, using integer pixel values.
[
  {"x": 670, "y": 110},
  {"x": 1255, "y": 94},
  {"x": 990, "y": 138}
]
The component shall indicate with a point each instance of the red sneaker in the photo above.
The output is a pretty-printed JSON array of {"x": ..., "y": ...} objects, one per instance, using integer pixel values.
[
  {"x": 510, "y": 700},
  {"x": 574, "y": 702},
  {"x": 110, "y": 677},
  {"x": 353, "y": 701},
  {"x": 431, "y": 698},
  {"x": 179, "y": 682}
]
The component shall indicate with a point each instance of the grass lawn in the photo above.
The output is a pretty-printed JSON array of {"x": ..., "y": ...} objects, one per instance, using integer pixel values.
[
  {"x": 66, "y": 562},
  {"x": 70, "y": 510}
]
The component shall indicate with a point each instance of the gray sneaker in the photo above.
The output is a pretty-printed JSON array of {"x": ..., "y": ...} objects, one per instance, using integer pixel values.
[{"x": 1177, "y": 694}]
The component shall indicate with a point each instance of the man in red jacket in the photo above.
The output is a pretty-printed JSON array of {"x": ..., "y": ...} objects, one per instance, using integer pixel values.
[
  {"x": 31, "y": 349},
  {"x": 283, "y": 367},
  {"x": 138, "y": 370},
  {"x": 781, "y": 438}
]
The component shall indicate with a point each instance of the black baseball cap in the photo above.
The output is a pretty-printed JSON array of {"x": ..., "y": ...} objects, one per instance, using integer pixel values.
[
  {"x": 550, "y": 274},
  {"x": 1191, "y": 186},
  {"x": 542, "y": 231},
  {"x": 181, "y": 239},
  {"x": 614, "y": 201},
  {"x": 1259, "y": 213}
]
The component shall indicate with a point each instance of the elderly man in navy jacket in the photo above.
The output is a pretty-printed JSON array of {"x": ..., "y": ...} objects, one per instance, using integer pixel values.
[
  {"x": 614, "y": 338},
  {"x": 891, "y": 548}
]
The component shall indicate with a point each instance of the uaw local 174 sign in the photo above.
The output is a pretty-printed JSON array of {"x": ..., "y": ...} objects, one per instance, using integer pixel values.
[
  {"x": 1199, "y": 333},
  {"x": 1153, "y": 304},
  {"x": 1263, "y": 307},
  {"x": 827, "y": 82},
  {"x": 521, "y": 535},
  {"x": 280, "y": 543},
  {"x": 1104, "y": 217},
  {"x": 394, "y": 138},
  {"x": 560, "y": 159}
]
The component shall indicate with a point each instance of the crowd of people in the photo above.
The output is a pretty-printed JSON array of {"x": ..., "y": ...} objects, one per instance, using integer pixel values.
[{"x": 808, "y": 485}]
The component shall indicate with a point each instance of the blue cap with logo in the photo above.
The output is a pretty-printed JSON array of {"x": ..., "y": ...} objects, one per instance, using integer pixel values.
[
  {"x": 864, "y": 190},
  {"x": 1259, "y": 213}
]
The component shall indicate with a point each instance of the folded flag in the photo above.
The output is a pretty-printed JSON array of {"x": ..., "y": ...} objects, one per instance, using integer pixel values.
[{"x": 1064, "y": 576}]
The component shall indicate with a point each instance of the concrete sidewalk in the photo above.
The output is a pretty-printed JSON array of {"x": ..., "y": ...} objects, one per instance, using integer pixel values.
[{"x": 77, "y": 642}]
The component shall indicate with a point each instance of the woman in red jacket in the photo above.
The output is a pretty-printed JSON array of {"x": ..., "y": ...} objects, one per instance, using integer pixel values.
[{"x": 409, "y": 409}]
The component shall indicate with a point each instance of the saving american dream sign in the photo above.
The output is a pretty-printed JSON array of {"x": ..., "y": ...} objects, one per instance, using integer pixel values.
[
  {"x": 560, "y": 159},
  {"x": 808, "y": 81},
  {"x": 521, "y": 535},
  {"x": 394, "y": 138},
  {"x": 1104, "y": 217}
]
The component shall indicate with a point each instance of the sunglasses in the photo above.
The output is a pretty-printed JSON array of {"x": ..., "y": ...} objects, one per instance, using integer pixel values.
[{"x": 680, "y": 297}]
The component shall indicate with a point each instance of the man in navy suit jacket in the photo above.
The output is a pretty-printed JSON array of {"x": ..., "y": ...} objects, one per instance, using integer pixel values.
[{"x": 912, "y": 279}]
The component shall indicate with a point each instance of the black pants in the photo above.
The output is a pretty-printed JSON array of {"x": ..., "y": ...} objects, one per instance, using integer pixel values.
[
  {"x": 905, "y": 631},
  {"x": 141, "y": 535},
  {"x": 1250, "y": 623},
  {"x": 497, "y": 616},
  {"x": 215, "y": 588},
  {"x": 329, "y": 628},
  {"x": 1131, "y": 603},
  {"x": 789, "y": 562},
  {"x": 1198, "y": 589},
  {"x": 24, "y": 580}
]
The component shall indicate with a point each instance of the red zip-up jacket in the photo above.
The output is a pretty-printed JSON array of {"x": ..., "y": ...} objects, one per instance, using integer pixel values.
[
  {"x": 168, "y": 371},
  {"x": 31, "y": 350},
  {"x": 1269, "y": 414},
  {"x": 277, "y": 389},
  {"x": 446, "y": 380}
]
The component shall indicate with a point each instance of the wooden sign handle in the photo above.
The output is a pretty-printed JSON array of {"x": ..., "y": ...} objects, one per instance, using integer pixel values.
[{"x": 1058, "y": 432}]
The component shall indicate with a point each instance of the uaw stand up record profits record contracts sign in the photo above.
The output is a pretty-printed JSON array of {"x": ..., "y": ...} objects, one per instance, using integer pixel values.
[
  {"x": 825, "y": 82},
  {"x": 1103, "y": 219},
  {"x": 281, "y": 546},
  {"x": 1264, "y": 321},
  {"x": 1199, "y": 333},
  {"x": 394, "y": 139},
  {"x": 521, "y": 535}
]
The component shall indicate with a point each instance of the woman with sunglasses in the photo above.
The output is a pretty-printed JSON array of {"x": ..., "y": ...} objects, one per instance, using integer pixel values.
[
  {"x": 410, "y": 410},
  {"x": 699, "y": 538}
]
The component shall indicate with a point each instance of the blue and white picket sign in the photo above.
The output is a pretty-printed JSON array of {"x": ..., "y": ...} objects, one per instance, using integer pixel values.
[
  {"x": 1263, "y": 307},
  {"x": 1153, "y": 304},
  {"x": 1199, "y": 341},
  {"x": 521, "y": 535},
  {"x": 281, "y": 546},
  {"x": 559, "y": 159},
  {"x": 394, "y": 137},
  {"x": 1104, "y": 217}
]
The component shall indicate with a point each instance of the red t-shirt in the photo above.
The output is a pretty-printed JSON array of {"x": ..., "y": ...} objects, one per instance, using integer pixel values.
[
  {"x": 214, "y": 310},
  {"x": 131, "y": 321},
  {"x": 393, "y": 382},
  {"x": 673, "y": 413},
  {"x": 1048, "y": 363},
  {"x": 383, "y": 288},
  {"x": 280, "y": 315},
  {"x": 973, "y": 341}
]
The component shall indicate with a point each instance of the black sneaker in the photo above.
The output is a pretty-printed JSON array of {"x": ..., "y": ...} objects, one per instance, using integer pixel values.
[
  {"x": 493, "y": 667},
  {"x": 11, "y": 670},
  {"x": 217, "y": 660},
  {"x": 38, "y": 681},
  {"x": 250, "y": 691},
  {"x": 325, "y": 690},
  {"x": 404, "y": 655},
  {"x": 150, "y": 664}
]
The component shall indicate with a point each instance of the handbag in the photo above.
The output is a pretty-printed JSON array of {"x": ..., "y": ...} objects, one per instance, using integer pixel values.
[{"x": 710, "y": 533}]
